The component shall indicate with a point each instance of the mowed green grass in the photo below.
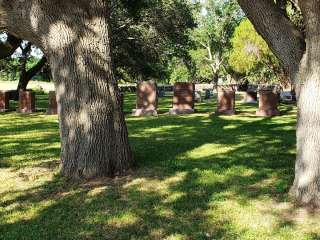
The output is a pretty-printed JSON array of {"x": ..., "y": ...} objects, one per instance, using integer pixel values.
[{"x": 198, "y": 177}]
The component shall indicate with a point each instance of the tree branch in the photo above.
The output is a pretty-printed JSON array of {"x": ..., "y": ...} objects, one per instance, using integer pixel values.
[
  {"x": 36, "y": 68},
  {"x": 283, "y": 38},
  {"x": 8, "y": 47},
  {"x": 26, "y": 76}
]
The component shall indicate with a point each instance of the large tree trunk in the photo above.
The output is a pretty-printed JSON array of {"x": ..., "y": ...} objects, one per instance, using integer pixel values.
[
  {"x": 300, "y": 55},
  {"x": 94, "y": 138},
  {"x": 75, "y": 37},
  {"x": 306, "y": 187}
]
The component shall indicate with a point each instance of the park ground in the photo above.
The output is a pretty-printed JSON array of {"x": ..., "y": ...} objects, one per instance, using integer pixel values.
[{"x": 199, "y": 177}]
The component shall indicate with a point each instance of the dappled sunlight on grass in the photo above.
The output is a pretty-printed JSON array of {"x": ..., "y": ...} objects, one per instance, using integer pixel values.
[
  {"x": 28, "y": 140},
  {"x": 199, "y": 176}
]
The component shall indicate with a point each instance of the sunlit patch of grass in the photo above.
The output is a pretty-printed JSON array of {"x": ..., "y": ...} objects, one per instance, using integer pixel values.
[
  {"x": 199, "y": 176},
  {"x": 124, "y": 219},
  {"x": 176, "y": 237},
  {"x": 207, "y": 150}
]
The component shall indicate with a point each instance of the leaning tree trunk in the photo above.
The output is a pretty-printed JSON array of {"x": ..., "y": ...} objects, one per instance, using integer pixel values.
[
  {"x": 27, "y": 75},
  {"x": 306, "y": 187},
  {"x": 75, "y": 37},
  {"x": 300, "y": 55}
]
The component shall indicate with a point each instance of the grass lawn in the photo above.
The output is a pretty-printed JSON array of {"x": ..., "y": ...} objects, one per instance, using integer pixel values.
[{"x": 199, "y": 177}]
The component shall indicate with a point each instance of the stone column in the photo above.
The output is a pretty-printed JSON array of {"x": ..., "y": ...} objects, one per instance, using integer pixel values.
[
  {"x": 52, "y": 106},
  {"x": 183, "y": 99},
  {"x": 27, "y": 101},
  {"x": 147, "y": 99},
  {"x": 226, "y": 100},
  {"x": 250, "y": 97},
  {"x": 4, "y": 101},
  {"x": 268, "y": 104}
]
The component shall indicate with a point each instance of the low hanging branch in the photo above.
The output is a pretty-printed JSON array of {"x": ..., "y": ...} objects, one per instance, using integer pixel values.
[
  {"x": 8, "y": 47},
  {"x": 26, "y": 76}
]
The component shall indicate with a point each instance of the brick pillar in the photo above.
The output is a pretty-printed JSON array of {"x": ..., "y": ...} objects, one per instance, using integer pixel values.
[
  {"x": 183, "y": 99},
  {"x": 27, "y": 101},
  {"x": 268, "y": 104},
  {"x": 147, "y": 99},
  {"x": 4, "y": 101},
  {"x": 226, "y": 100},
  {"x": 250, "y": 97},
  {"x": 52, "y": 105}
]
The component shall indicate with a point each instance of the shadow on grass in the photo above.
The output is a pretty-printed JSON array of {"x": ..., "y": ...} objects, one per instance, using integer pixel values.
[
  {"x": 188, "y": 165},
  {"x": 27, "y": 139}
]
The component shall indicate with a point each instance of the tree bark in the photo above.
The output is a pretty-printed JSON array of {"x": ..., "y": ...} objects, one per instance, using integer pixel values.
[
  {"x": 306, "y": 187},
  {"x": 75, "y": 35},
  {"x": 301, "y": 57}
]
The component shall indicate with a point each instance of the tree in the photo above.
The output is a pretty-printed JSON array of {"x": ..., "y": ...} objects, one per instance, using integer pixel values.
[
  {"x": 27, "y": 74},
  {"x": 217, "y": 22},
  {"x": 252, "y": 57},
  {"x": 75, "y": 35},
  {"x": 179, "y": 71},
  {"x": 9, "y": 46},
  {"x": 147, "y": 35},
  {"x": 298, "y": 49}
]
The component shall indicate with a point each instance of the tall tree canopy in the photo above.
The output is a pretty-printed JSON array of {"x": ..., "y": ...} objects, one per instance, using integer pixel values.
[
  {"x": 147, "y": 34},
  {"x": 252, "y": 57},
  {"x": 217, "y": 22}
]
